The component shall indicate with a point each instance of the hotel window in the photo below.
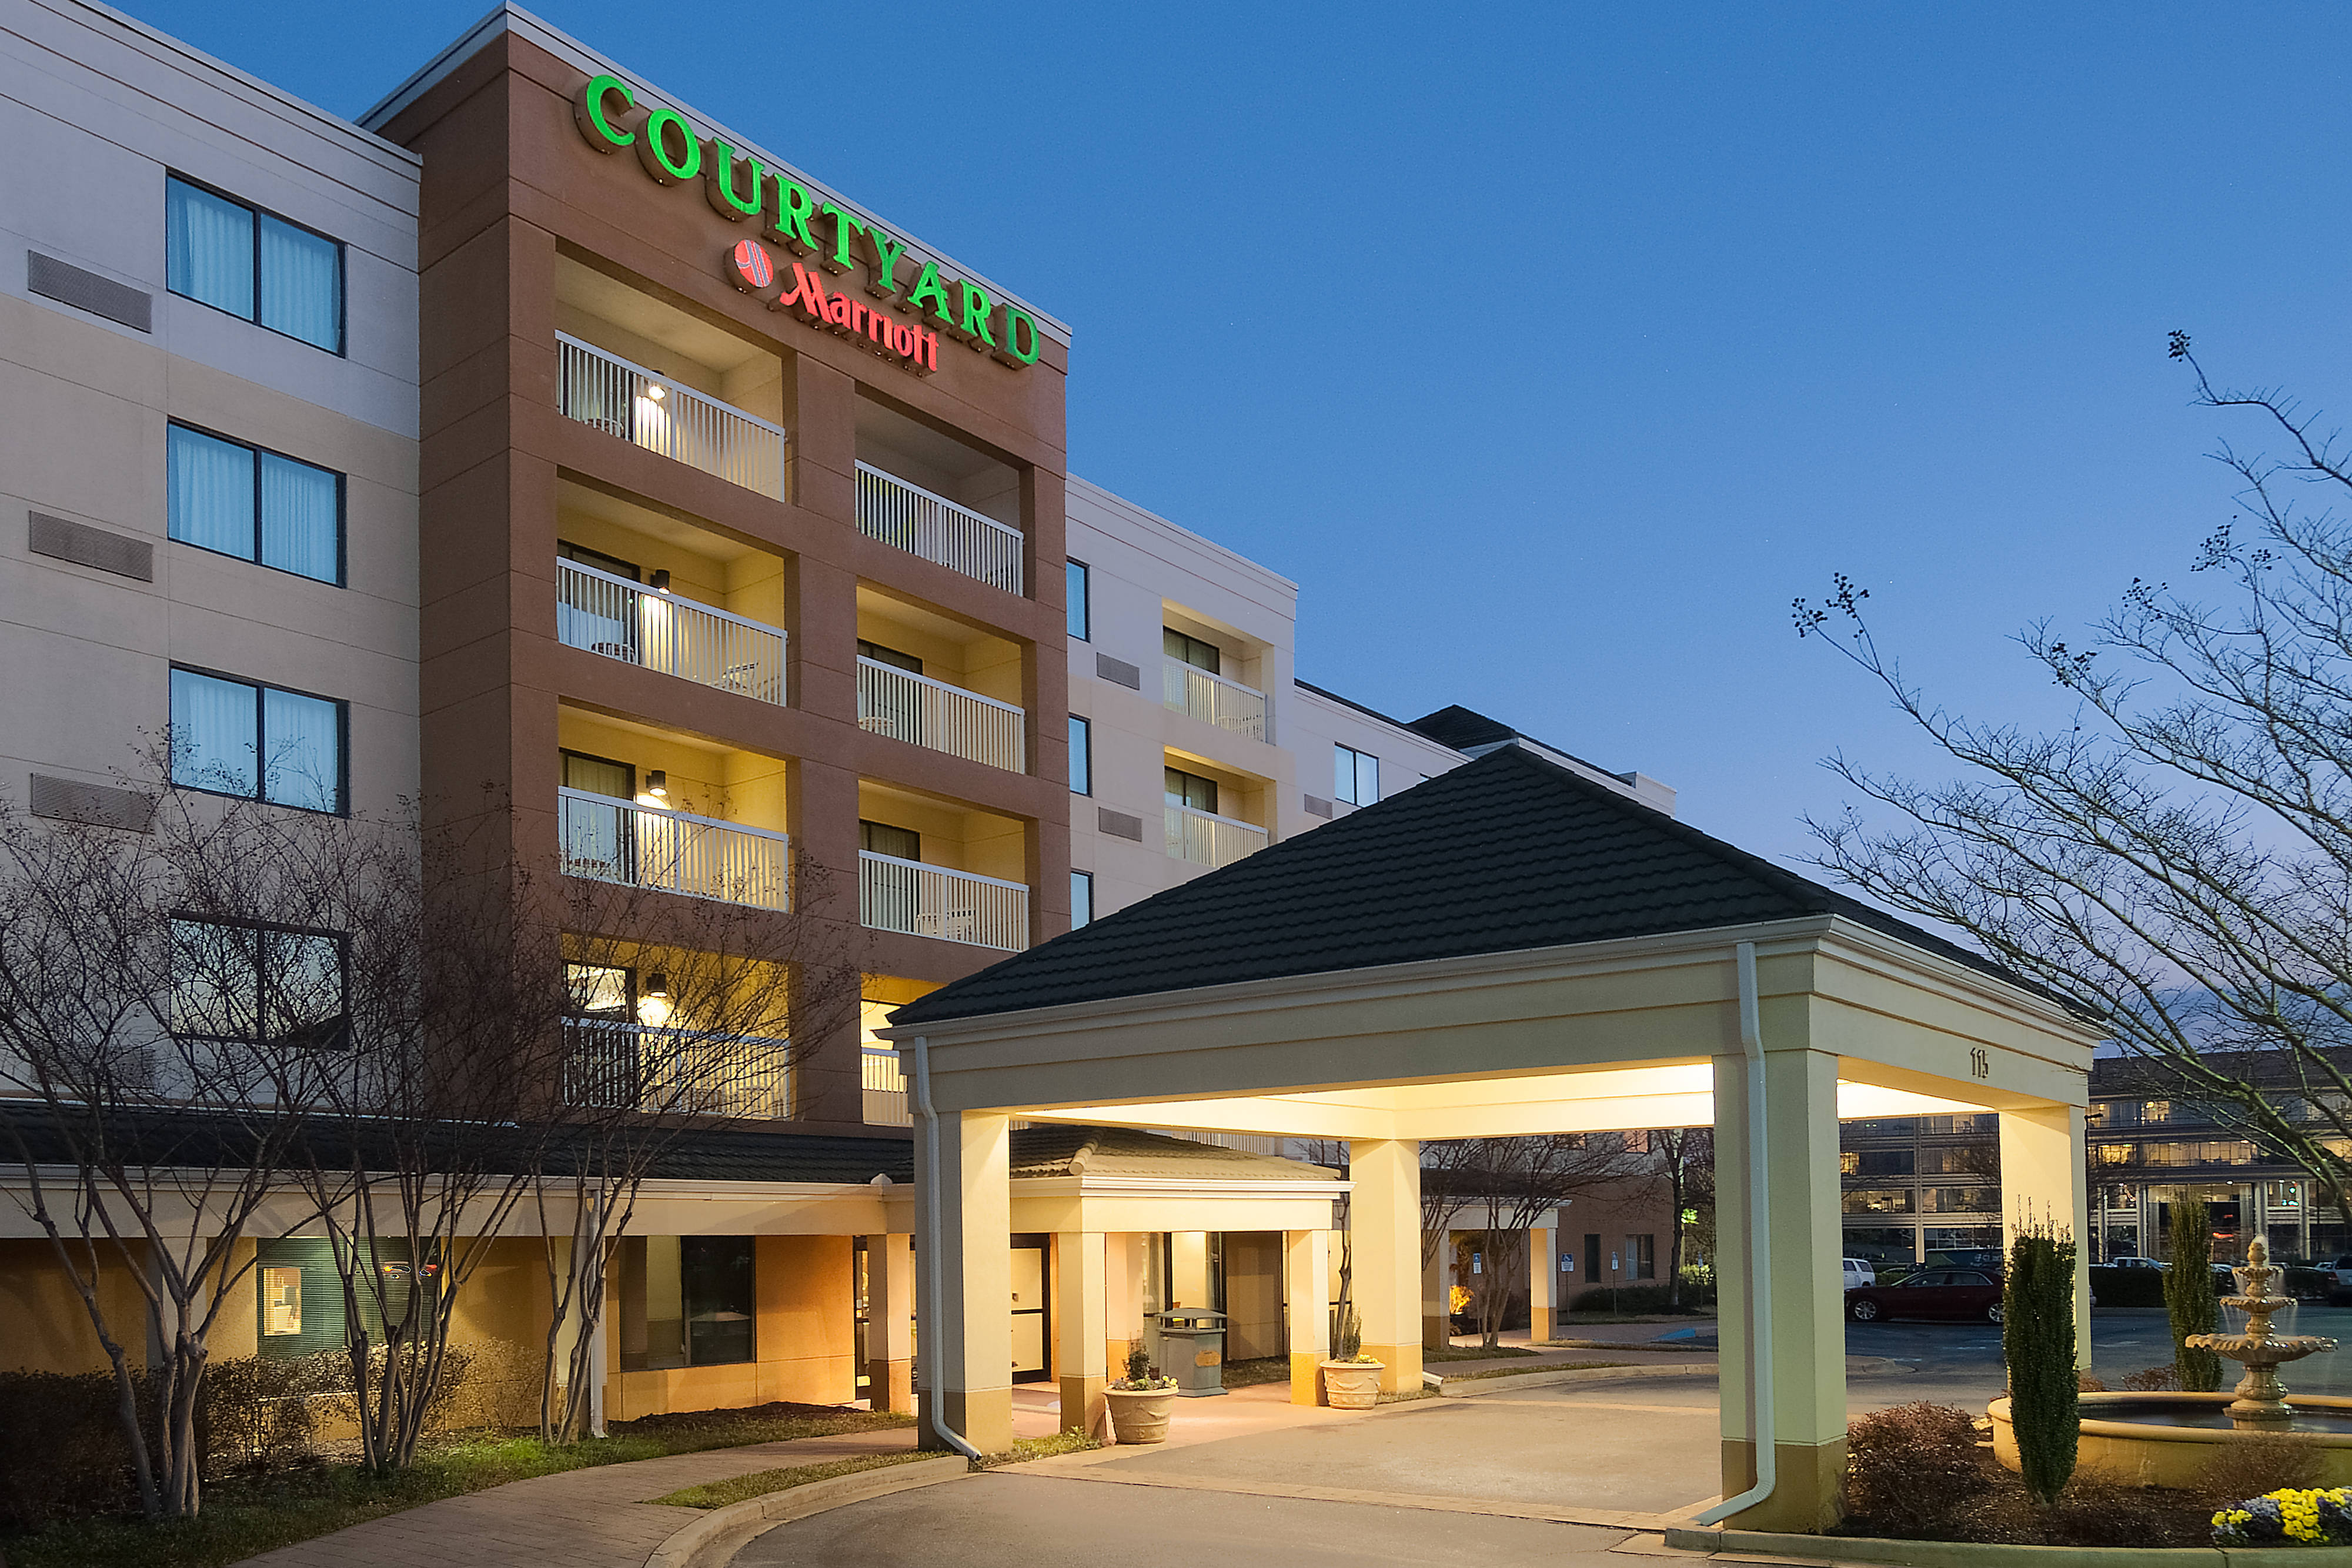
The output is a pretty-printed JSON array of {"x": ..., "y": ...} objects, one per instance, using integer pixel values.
[
  {"x": 254, "y": 503},
  {"x": 882, "y": 839},
  {"x": 688, "y": 1301},
  {"x": 1642, "y": 1257},
  {"x": 1082, "y": 756},
  {"x": 1355, "y": 776},
  {"x": 281, "y": 1301},
  {"x": 257, "y": 984},
  {"x": 253, "y": 264},
  {"x": 1073, "y": 596},
  {"x": 1189, "y": 650},
  {"x": 1190, "y": 790},
  {"x": 1082, "y": 899},
  {"x": 238, "y": 737},
  {"x": 1961, "y": 1199},
  {"x": 1879, "y": 1201},
  {"x": 890, "y": 657}
]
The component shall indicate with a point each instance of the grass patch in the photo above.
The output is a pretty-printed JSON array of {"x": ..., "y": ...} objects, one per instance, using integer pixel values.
[
  {"x": 1524, "y": 1371},
  {"x": 1459, "y": 1352},
  {"x": 1027, "y": 1448},
  {"x": 1405, "y": 1396},
  {"x": 760, "y": 1483},
  {"x": 245, "y": 1516}
]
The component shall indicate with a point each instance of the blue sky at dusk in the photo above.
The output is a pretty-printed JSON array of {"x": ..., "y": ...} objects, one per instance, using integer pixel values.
[{"x": 1553, "y": 349}]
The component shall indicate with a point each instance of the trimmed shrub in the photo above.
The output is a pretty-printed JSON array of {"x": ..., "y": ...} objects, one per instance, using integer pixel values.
[
  {"x": 1909, "y": 1468},
  {"x": 2253, "y": 1463},
  {"x": 2188, "y": 1295},
  {"x": 2037, "y": 1338},
  {"x": 2150, "y": 1379},
  {"x": 1641, "y": 1299}
]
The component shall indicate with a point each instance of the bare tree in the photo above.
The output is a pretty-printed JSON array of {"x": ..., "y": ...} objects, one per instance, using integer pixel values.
[
  {"x": 161, "y": 1024},
  {"x": 1686, "y": 1164},
  {"x": 2177, "y": 863},
  {"x": 1508, "y": 1184}
]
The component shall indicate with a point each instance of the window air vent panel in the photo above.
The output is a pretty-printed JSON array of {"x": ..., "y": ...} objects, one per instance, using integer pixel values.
[
  {"x": 85, "y": 291},
  {"x": 85, "y": 546},
  {"x": 68, "y": 800},
  {"x": 1119, "y": 824},
  {"x": 1317, "y": 807},
  {"x": 1120, "y": 670}
]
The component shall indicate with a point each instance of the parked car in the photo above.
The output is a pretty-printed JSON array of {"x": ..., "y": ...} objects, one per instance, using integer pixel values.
[
  {"x": 2342, "y": 1269},
  {"x": 2134, "y": 1263},
  {"x": 1947, "y": 1294},
  {"x": 1858, "y": 1273}
]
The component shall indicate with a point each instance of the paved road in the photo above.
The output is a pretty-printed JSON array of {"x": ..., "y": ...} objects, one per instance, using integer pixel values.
[{"x": 999, "y": 1521}]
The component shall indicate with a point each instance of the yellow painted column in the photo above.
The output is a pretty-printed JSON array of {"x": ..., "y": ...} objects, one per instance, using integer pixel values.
[
  {"x": 1079, "y": 1328},
  {"x": 1384, "y": 1216},
  {"x": 967, "y": 1363},
  {"x": 1188, "y": 1268},
  {"x": 1543, "y": 1277},
  {"x": 2045, "y": 1177},
  {"x": 1305, "y": 1284},
  {"x": 1436, "y": 1327},
  {"x": 889, "y": 1326},
  {"x": 1807, "y": 1325},
  {"x": 1122, "y": 1298}
]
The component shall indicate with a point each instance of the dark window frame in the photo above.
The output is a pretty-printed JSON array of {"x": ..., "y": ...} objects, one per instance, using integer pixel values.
[
  {"x": 341, "y": 349},
  {"x": 1082, "y": 754},
  {"x": 1085, "y": 615},
  {"x": 1087, "y": 877},
  {"x": 342, "y": 939},
  {"x": 343, "y": 807},
  {"x": 342, "y": 507}
]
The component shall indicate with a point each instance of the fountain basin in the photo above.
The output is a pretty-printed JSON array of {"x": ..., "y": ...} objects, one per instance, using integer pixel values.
[{"x": 2165, "y": 1439}]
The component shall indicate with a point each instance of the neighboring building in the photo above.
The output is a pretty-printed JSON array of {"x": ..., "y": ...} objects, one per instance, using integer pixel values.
[
  {"x": 1916, "y": 1185},
  {"x": 210, "y": 359}
]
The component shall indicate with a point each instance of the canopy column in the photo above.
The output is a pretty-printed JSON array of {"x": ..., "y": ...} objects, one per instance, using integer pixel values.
[
  {"x": 1436, "y": 1326},
  {"x": 889, "y": 1322},
  {"x": 1384, "y": 1215},
  {"x": 1807, "y": 1328},
  {"x": 966, "y": 1350},
  {"x": 1305, "y": 1288},
  {"x": 1080, "y": 1281},
  {"x": 1543, "y": 1277},
  {"x": 2044, "y": 1180}
]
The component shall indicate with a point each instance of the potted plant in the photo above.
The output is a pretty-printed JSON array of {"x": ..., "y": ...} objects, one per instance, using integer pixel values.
[
  {"x": 1351, "y": 1380},
  {"x": 1141, "y": 1402}
]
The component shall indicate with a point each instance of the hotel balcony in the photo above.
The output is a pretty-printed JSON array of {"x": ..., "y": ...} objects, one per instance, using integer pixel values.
[
  {"x": 885, "y": 1085},
  {"x": 645, "y": 372},
  {"x": 1213, "y": 699},
  {"x": 610, "y": 1064},
  {"x": 927, "y": 867},
  {"x": 673, "y": 852},
  {"x": 1206, "y": 839},
  {"x": 922, "y": 679},
  {"x": 661, "y": 630},
  {"x": 639, "y": 806},
  {"x": 927, "y": 494}
]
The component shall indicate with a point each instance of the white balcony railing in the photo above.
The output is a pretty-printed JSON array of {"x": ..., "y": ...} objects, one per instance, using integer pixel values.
[
  {"x": 1228, "y": 705},
  {"x": 614, "y": 1065},
  {"x": 885, "y": 1089},
  {"x": 615, "y": 840},
  {"x": 1206, "y": 839},
  {"x": 598, "y": 387},
  {"x": 622, "y": 620},
  {"x": 938, "y": 529},
  {"x": 911, "y": 707},
  {"x": 932, "y": 901}
]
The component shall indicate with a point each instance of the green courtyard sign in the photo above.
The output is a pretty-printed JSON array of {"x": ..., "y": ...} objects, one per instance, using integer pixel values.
[{"x": 742, "y": 189}]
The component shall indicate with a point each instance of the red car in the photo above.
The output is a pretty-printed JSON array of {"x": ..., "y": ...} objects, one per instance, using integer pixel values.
[{"x": 1953, "y": 1294}]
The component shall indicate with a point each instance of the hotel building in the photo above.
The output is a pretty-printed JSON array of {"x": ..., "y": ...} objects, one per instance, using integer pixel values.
[{"x": 537, "y": 435}]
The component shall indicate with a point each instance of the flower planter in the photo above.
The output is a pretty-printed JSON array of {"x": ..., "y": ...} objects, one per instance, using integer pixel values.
[
  {"x": 1352, "y": 1384},
  {"x": 1140, "y": 1414}
]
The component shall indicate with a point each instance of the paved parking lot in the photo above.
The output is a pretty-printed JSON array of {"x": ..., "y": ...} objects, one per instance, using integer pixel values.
[{"x": 1954, "y": 1362}]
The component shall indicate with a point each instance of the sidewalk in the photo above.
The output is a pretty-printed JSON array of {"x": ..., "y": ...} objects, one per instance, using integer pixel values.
[{"x": 594, "y": 1518}]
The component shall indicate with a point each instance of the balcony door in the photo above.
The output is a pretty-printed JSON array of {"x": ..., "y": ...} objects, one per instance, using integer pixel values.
[
  {"x": 595, "y": 615},
  {"x": 596, "y": 839}
]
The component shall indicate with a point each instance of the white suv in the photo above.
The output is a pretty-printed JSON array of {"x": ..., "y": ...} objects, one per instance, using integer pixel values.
[
  {"x": 2343, "y": 1272},
  {"x": 1858, "y": 1273}
]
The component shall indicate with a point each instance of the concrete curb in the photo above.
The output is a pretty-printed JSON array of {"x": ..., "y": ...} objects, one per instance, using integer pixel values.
[
  {"x": 1746, "y": 1544},
  {"x": 715, "y": 1536},
  {"x": 1468, "y": 1387}
]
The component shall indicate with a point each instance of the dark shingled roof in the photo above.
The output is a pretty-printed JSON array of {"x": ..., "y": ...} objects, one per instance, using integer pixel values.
[
  {"x": 1051, "y": 1151},
  {"x": 1507, "y": 853},
  {"x": 1462, "y": 729}
]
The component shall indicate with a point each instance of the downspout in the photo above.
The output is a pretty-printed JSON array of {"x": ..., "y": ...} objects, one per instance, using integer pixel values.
[
  {"x": 1759, "y": 1258},
  {"x": 926, "y": 1302}
]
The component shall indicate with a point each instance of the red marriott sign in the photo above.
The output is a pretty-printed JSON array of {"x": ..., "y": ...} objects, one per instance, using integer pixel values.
[{"x": 751, "y": 269}]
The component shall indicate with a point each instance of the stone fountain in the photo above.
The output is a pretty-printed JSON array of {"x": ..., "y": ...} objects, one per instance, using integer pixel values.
[{"x": 2260, "y": 1405}]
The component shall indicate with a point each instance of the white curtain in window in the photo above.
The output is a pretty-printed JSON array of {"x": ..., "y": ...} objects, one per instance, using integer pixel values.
[
  {"x": 305, "y": 767},
  {"x": 210, "y": 493},
  {"x": 301, "y": 284},
  {"x": 212, "y": 736},
  {"x": 300, "y": 526},
  {"x": 208, "y": 248}
]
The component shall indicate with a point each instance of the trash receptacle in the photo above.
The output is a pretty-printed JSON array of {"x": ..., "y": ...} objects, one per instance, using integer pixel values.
[{"x": 1193, "y": 1350}]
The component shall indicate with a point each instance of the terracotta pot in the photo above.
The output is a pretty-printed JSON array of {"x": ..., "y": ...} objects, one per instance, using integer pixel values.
[
  {"x": 1140, "y": 1415},
  {"x": 1352, "y": 1384}
]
